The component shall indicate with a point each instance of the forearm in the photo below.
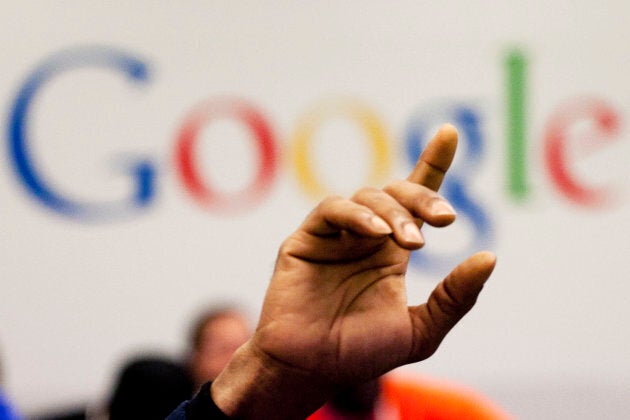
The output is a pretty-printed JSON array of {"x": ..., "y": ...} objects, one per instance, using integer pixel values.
[{"x": 255, "y": 386}]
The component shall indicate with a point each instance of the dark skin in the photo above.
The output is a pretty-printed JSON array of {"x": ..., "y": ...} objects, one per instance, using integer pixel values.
[{"x": 335, "y": 313}]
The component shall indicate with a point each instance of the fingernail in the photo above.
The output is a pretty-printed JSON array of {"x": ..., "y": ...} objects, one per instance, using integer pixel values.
[
  {"x": 412, "y": 233},
  {"x": 441, "y": 208},
  {"x": 380, "y": 225}
]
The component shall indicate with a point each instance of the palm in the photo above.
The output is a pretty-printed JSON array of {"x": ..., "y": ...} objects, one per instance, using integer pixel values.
[
  {"x": 337, "y": 308},
  {"x": 350, "y": 299}
]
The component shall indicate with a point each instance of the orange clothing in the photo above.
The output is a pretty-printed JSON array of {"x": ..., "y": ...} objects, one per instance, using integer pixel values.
[{"x": 414, "y": 398}]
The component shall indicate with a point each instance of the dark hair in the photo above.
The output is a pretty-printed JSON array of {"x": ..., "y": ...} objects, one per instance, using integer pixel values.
[{"x": 149, "y": 387}]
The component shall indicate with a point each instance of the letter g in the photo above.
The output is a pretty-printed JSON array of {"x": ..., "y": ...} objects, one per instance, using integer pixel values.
[{"x": 143, "y": 172}]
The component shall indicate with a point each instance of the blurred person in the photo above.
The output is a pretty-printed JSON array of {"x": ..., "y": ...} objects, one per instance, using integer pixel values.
[
  {"x": 7, "y": 410},
  {"x": 214, "y": 337},
  {"x": 398, "y": 397},
  {"x": 151, "y": 386},
  {"x": 148, "y": 387},
  {"x": 335, "y": 314}
]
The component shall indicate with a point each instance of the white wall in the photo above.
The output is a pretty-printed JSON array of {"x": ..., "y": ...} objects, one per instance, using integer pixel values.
[{"x": 548, "y": 338}]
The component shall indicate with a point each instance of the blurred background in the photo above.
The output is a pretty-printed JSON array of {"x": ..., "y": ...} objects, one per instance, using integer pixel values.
[{"x": 155, "y": 154}]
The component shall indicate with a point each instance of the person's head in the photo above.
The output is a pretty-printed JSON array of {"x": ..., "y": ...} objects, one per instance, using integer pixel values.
[
  {"x": 214, "y": 337},
  {"x": 149, "y": 387}
]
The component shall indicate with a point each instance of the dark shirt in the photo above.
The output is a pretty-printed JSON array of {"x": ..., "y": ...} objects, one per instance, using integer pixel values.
[{"x": 201, "y": 407}]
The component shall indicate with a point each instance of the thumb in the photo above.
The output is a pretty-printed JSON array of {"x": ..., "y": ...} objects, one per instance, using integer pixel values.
[{"x": 448, "y": 303}]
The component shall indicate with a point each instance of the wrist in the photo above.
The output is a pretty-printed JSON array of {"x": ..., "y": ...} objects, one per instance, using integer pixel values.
[{"x": 254, "y": 385}]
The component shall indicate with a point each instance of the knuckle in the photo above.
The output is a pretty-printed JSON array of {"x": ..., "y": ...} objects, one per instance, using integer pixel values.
[
  {"x": 329, "y": 201},
  {"x": 286, "y": 247},
  {"x": 366, "y": 192},
  {"x": 395, "y": 185},
  {"x": 448, "y": 303}
]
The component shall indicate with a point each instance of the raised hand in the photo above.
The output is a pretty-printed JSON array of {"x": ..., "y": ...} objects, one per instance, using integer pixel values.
[{"x": 336, "y": 310}]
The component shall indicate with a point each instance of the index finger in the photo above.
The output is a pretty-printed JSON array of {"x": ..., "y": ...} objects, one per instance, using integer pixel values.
[{"x": 436, "y": 158}]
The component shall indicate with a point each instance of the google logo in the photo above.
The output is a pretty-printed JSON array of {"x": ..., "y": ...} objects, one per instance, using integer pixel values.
[{"x": 603, "y": 120}]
